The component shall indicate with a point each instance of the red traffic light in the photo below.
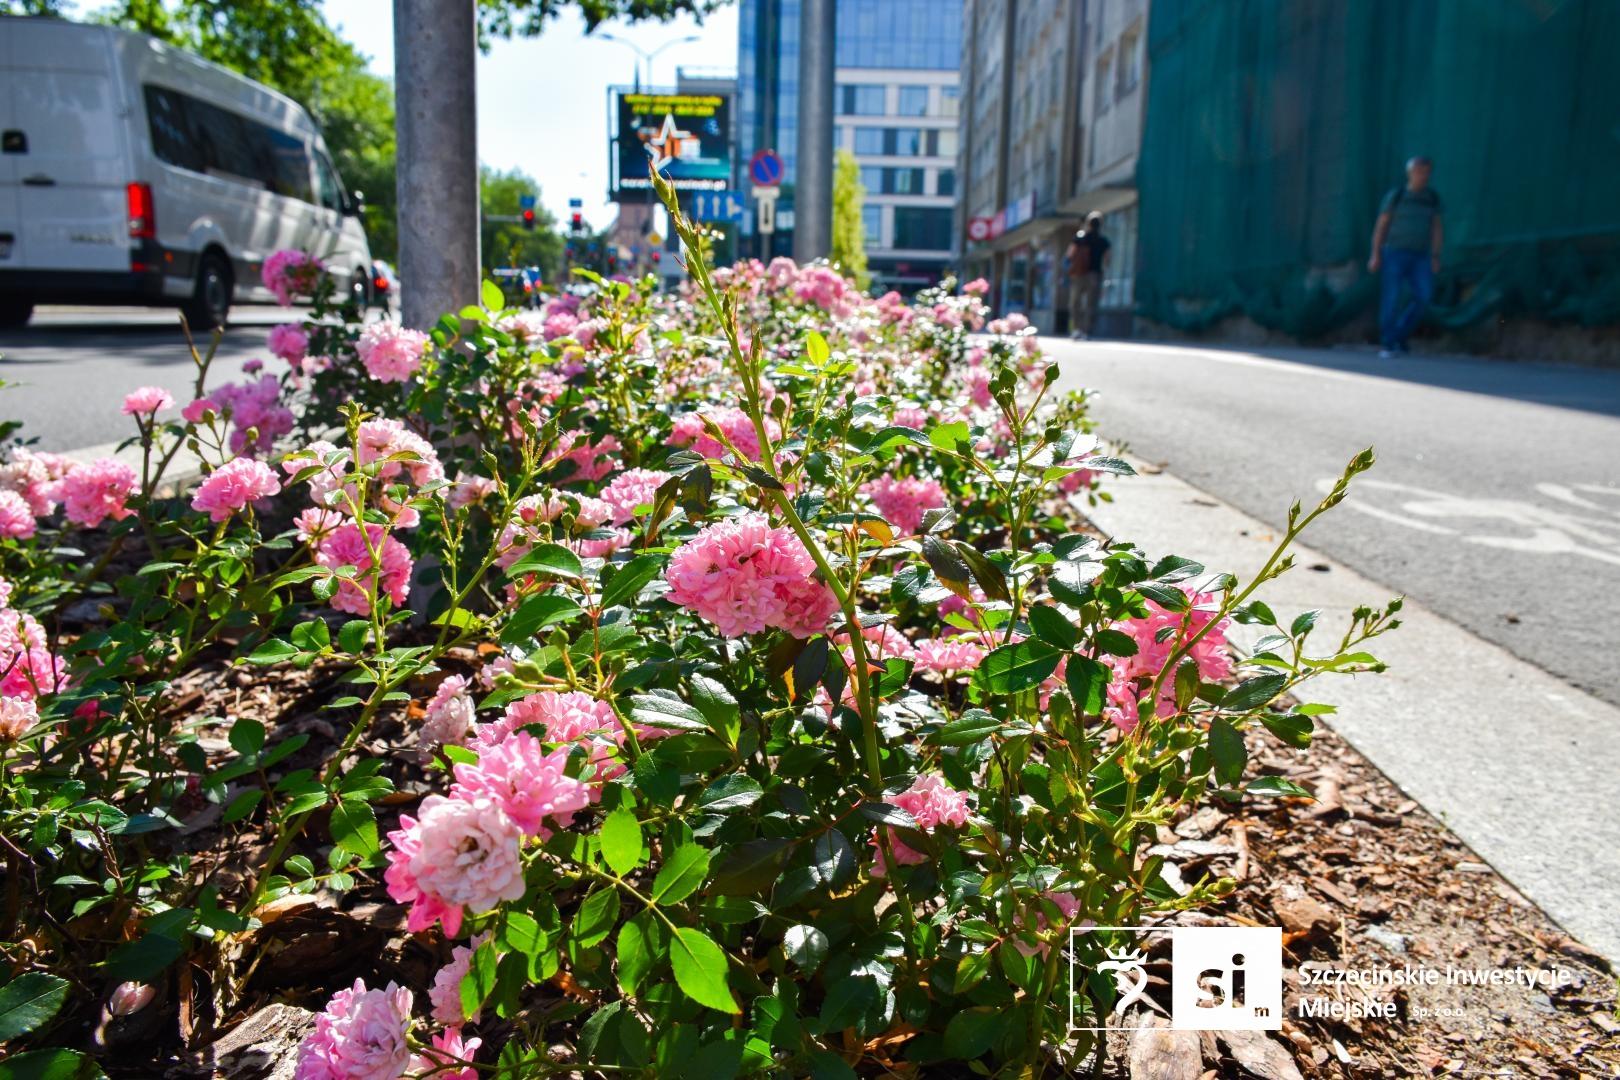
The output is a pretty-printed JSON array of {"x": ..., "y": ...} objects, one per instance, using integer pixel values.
[
  {"x": 528, "y": 220},
  {"x": 578, "y": 221}
]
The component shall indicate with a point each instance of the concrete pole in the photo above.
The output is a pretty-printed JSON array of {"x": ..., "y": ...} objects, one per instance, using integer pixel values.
[
  {"x": 436, "y": 122},
  {"x": 812, "y": 186}
]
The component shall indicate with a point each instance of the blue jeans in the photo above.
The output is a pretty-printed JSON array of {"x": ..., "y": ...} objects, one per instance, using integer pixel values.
[{"x": 1416, "y": 272}]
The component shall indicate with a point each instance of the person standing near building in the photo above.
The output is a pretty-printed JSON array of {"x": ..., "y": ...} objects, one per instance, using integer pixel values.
[
  {"x": 1087, "y": 256},
  {"x": 1406, "y": 251}
]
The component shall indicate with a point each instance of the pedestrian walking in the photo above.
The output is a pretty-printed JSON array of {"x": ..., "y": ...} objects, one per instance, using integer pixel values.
[
  {"x": 1406, "y": 252},
  {"x": 1087, "y": 256}
]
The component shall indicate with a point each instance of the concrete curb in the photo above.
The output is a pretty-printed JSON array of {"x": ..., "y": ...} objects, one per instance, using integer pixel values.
[{"x": 1521, "y": 766}]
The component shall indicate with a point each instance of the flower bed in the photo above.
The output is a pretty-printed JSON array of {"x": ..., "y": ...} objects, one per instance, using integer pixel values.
[{"x": 722, "y": 683}]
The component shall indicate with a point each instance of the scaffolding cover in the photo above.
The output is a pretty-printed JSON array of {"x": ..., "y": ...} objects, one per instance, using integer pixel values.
[{"x": 1274, "y": 130}]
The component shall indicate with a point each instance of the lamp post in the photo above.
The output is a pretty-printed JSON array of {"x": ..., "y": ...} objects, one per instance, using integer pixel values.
[{"x": 646, "y": 56}]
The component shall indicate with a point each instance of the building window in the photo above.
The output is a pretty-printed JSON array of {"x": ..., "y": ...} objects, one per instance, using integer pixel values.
[
  {"x": 942, "y": 142},
  {"x": 945, "y": 183},
  {"x": 863, "y": 100},
  {"x": 1102, "y": 92},
  {"x": 922, "y": 228},
  {"x": 950, "y": 101},
  {"x": 913, "y": 101},
  {"x": 903, "y": 181},
  {"x": 1129, "y": 74},
  {"x": 869, "y": 140},
  {"x": 872, "y": 224},
  {"x": 871, "y": 178},
  {"x": 906, "y": 142}
]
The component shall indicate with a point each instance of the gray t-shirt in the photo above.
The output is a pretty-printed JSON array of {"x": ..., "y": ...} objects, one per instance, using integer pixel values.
[{"x": 1412, "y": 215}]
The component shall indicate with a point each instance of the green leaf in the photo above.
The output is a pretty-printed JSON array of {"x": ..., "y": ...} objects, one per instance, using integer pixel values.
[
  {"x": 718, "y": 707},
  {"x": 681, "y": 875},
  {"x": 973, "y": 726},
  {"x": 734, "y": 791},
  {"x": 640, "y": 946},
  {"x": 491, "y": 295},
  {"x": 523, "y": 933},
  {"x": 971, "y": 970},
  {"x": 816, "y": 349},
  {"x": 1088, "y": 681},
  {"x": 553, "y": 559},
  {"x": 1292, "y": 728},
  {"x": 948, "y": 566},
  {"x": 987, "y": 573},
  {"x": 274, "y": 651},
  {"x": 1274, "y": 786},
  {"x": 54, "y": 1064},
  {"x": 1052, "y": 627},
  {"x": 1020, "y": 666},
  {"x": 247, "y": 736},
  {"x": 950, "y": 436},
  {"x": 971, "y": 1032},
  {"x": 805, "y": 946},
  {"x": 241, "y": 806},
  {"x": 28, "y": 1001},
  {"x": 354, "y": 827},
  {"x": 700, "y": 969},
  {"x": 663, "y": 709},
  {"x": 621, "y": 841},
  {"x": 628, "y": 580},
  {"x": 1251, "y": 694},
  {"x": 312, "y": 635},
  {"x": 1226, "y": 746},
  {"x": 751, "y": 867},
  {"x": 352, "y": 635},
  {"x": 143, "y": 959},
  {"x": 536, "y": 614},
  {"x": 595, "y": 918},
  {"x": 1115, "y": 642}
]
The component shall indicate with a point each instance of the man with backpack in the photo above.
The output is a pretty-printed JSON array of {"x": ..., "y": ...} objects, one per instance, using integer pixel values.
[
  {"x": 1087, "y": 256},
  {"x": 1406, "y": 251}
]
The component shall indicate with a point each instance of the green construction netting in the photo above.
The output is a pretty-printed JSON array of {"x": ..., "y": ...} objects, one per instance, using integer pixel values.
[{"x": 1274, "y": 128}]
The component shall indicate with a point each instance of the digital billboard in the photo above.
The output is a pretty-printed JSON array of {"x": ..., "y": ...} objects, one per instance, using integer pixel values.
[{"x": 686, "y": 136}]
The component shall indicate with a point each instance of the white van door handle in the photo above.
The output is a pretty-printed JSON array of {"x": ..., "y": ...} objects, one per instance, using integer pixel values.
[{"x": 39, "y": 180}]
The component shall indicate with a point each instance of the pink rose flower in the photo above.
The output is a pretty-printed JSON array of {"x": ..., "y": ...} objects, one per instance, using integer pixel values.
[
  {"x": 745, "y": 577},
  {"x": 16, "y": 516},
  {"x": 630, "y": 489},
  {"x": 931, "y": 803},
  {"x": 289, "y": 341},
  {"x": 389, "y": 351},
  {"x": 360, "y": 1036},
  {"x": 530, "y": 785},
  {"x": 448, "y": 1048},
  {"x": 146, "y": 400},
  {"x": 17, "y": 715},
  {"x": 449, "y": 720},
  {"x": 458, "y": 855},
  {"x": 948, "y": 656},
  {"x": 902, "y": 501},
  {"x": 287, "y": 273},
  {"x": 232, "y": 486},
  {"x": 345, "y": 546},
  {"x": 95, "y": 491}
]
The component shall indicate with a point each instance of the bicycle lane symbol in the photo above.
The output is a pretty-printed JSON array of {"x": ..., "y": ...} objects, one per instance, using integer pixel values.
[{"x": 1585, "y": 523}]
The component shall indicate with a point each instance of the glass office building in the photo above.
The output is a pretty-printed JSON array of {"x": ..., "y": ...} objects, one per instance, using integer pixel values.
[{"x": 895, "y": 100}]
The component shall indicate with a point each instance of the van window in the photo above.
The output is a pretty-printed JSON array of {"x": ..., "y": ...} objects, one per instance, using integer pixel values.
[
  {"x": 327, "y": 188},
  {"x": 192, "y": 134}
]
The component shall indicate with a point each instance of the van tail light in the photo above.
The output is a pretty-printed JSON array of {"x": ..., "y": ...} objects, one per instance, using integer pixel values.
[
  {"x": 142, "y": 219},
  {"x": 381, "y": 283}
]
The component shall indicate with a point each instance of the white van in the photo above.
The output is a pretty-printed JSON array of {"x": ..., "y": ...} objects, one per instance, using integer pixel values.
[{"x": 134, "y": 172}]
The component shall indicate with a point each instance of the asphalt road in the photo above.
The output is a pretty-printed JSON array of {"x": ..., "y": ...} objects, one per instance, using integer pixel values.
[
  {"x": 1495, "y": 500},
  {"x": 67, "y": 372}
]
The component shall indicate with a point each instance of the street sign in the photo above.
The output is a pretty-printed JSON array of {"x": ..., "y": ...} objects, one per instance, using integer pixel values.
[
  {"x": 525, "y": 202},
  {"x": 716, "y": 206},
  {"x": 655, "y": 240},
  {"x": 765, "y": 169},
  {"x": 575, "y": 203},
  {"x": 765, "y": 197},
  {"x": 978, "y": 228}
]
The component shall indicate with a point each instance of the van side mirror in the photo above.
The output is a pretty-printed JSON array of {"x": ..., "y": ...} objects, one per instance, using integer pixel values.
[{"x": 357, "y": 203}]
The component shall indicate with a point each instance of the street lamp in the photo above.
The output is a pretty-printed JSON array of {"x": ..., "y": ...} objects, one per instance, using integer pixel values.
[{"x": 646, "y": 56}]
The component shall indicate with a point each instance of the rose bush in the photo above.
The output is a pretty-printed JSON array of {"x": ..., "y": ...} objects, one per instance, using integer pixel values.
[{"x": 773, "y": 710}]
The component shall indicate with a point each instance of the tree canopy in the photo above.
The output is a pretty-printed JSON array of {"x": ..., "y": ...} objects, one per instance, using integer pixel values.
[{"x": 848, "y": 251}]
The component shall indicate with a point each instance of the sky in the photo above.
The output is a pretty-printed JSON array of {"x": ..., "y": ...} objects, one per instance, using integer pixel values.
[{"x": 542, "y": 102}]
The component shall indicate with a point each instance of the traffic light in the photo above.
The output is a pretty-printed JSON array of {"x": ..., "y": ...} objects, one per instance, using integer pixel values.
[
  {"x": 528, "y": 220},
  {"x": 578, "y": 222}
]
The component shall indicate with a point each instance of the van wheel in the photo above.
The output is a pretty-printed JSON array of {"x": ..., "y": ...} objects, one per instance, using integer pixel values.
[
  {"x": 15, "y": 313},
  {"x": 358, "y": 289},
  {"x": 210, "y": 301}
]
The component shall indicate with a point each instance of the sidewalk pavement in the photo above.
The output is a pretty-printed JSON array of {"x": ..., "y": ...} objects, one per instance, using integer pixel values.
[{"x": 1522, "y": 767}]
